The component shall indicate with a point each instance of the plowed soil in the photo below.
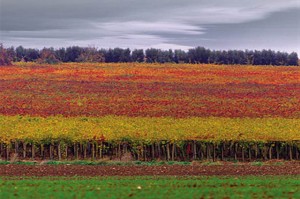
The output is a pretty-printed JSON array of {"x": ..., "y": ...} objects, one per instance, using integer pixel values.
[{"x": 292, "y": 168}]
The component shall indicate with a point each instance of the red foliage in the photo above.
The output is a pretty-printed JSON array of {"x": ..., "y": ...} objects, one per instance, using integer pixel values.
[{"x": 151, "y": 91}]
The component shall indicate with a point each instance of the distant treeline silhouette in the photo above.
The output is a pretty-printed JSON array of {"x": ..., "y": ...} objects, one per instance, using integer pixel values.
[{"x": 152, "y": 55}]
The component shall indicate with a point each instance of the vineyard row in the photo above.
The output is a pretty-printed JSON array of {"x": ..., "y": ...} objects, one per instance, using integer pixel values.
[
  {"x": 146, "y": 129},
  {"x": 162, "y": 150}
]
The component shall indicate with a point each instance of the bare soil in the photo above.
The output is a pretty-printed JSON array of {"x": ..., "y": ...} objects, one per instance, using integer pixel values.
[{"x": 288, "y": 168}]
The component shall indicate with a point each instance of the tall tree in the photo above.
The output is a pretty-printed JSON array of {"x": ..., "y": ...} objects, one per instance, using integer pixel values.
[
  {"x": 180, "y": 56},
  {"x": 152, "y": 55},
  {"x": 20, "y": 53},
  {"x": 293, "y": 59},
  {"x": 32, "y": 54},
  {"x": 11, "y": 53},
  {"x": 91, "y": 55},
  {"x": 125, "y": 55},
  {"x": 198, "y": 55},
  {"x": 61, "y": 54},
  {"x": 138, "y": 55},
  {"x": 72, "y": 53},
  {"x": 5, "y": 59},
  {"x": 47, "y": 56}
]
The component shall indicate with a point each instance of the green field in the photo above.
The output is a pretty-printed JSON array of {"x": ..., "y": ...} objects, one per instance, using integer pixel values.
[{"x": 151, "y": 187}]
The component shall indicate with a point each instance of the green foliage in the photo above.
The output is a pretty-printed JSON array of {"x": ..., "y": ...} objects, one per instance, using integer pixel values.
[
  {"x": 4, "y": 162},
  {"x": 257, "y": 163}
]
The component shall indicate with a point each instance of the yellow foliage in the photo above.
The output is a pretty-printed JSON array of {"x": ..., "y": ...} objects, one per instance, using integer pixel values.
[{"x": 110, "y": 128}]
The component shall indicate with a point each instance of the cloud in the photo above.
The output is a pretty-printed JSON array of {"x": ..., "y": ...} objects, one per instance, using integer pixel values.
[
  {"x": 241, "y": 11},
  {"x": 130, "y": 23},
  {"x": 150, "y": 27},
  {"x": 64, "y": 14}
]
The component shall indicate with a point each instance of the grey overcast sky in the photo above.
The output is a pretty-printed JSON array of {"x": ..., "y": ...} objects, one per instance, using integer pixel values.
[{"x": 176, "y": 24}]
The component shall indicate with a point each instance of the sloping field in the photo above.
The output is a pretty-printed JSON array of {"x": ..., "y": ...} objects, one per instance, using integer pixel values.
[
  {"x": 150, "y": 90},
  {"x": 165, "y": 111}
]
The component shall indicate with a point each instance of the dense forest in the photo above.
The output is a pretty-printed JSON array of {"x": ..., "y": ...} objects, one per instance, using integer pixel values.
[{"x": 152, "y": 55}]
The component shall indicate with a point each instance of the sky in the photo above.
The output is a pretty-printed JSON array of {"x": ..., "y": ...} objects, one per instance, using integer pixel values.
[{"x": 165, "y": 24}]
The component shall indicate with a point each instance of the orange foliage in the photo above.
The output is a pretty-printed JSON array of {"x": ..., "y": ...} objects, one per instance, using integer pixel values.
[{"x": 153, "y": 90}]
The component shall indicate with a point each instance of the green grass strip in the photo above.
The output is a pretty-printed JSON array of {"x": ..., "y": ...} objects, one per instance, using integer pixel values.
[{"x": 151, "y": 187}]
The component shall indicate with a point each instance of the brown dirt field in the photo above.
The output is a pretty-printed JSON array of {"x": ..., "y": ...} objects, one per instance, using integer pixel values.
[{"x": 292, "y": 168}]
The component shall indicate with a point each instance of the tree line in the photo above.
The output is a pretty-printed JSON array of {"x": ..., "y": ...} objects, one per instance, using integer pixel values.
[{"x": 152, "y": 55}]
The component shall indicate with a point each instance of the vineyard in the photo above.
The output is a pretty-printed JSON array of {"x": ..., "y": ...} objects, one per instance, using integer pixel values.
[{"x": 149, "y": 112}]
